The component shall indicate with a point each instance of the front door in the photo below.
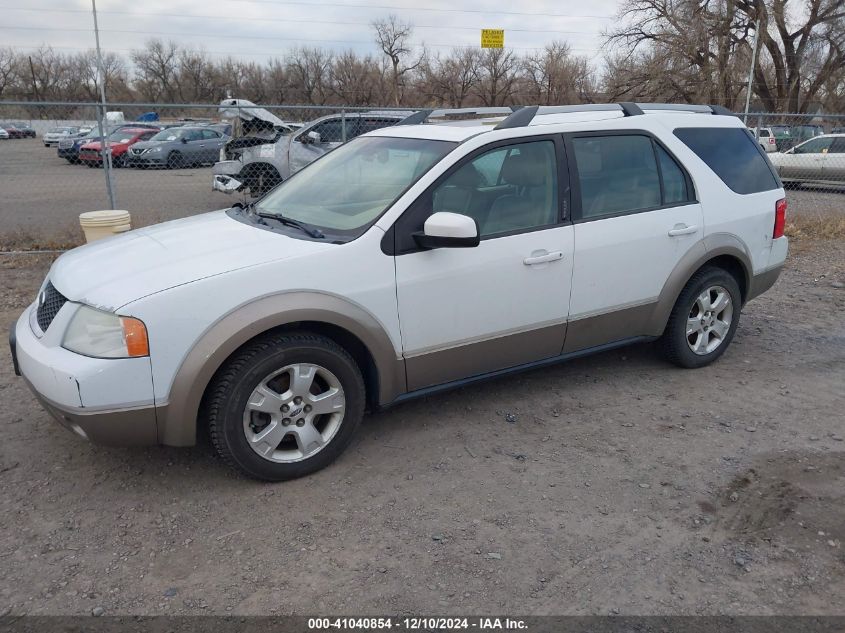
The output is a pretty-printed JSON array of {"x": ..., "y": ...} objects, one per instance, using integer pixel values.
[
  {"x": 332, "y": 132},
  {"x": 464, "y": 312},
  {"x": 635, "y": 218}
]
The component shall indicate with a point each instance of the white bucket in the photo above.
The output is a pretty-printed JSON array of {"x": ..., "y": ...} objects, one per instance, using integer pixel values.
[{"x": 99, "y": 224}]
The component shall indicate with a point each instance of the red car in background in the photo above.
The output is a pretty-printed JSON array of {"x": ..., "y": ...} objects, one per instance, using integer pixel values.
[{"x": 119, "y": 141}]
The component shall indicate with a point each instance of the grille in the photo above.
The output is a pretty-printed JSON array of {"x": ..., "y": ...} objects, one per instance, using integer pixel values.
[{"x": 49, "y": 304}]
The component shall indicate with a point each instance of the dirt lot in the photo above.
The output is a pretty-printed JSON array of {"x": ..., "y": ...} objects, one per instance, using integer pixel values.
[
  {"x": 624, "y": 485},
  {"x": 41, "y": 195}
]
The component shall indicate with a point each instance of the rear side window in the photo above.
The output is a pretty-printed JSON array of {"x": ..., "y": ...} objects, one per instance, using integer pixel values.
[
  {"x": 626, "y": 173},
  {"x": 733, "y": 155}
]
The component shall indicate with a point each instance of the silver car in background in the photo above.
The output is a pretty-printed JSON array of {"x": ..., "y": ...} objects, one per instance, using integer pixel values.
[
  {"x": 271, "y": 150},
  {"x": 57, "y": 134},
  {"x": 177, "y": 147}
]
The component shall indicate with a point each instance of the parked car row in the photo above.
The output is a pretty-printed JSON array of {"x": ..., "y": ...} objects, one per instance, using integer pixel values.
[
  {"x": 16, "y": 130},
  {"x": 145, "y": 145}
]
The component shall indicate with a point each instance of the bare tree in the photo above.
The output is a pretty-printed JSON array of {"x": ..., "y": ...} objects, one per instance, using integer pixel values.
[
  {"x": 157, "y": 70},
  {"x": 308, "y": 71},
  {"x": 789, "y": 35},
  {"x": 355, "y": 80},
  {"x": 86, "y": 70},
  {"x": 497, "y": 75},
  {"x": 9, "y": 63},
  {"x": 555, "y": 76},
  {"x": 394, "y": 39},
  {"x": 450, "y": 80},
  {"x": 708, "y": 44}
]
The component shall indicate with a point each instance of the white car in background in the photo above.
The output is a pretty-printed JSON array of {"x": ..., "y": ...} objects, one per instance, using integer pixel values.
[
  {"x": 56, "y": 134},
  {"x": 820, "y": 160},
  {"x": 3, "y": 134},
  {"x": 766, "y": 137}
]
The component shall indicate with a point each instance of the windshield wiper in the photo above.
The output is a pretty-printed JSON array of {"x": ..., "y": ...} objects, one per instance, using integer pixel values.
[{"x": 311, "y": 231}]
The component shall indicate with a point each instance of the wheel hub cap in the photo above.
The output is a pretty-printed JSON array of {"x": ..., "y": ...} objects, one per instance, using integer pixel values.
[
  {"x": 709, "y": 320},
  {"x": 294, "y": 412}
]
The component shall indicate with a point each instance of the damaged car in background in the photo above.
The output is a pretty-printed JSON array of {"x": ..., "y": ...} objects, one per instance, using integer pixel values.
[{"x": 269, "y": 150}]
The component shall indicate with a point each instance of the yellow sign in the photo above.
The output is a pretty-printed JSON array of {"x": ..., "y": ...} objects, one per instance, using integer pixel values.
[{"x": 492, "y": 38}]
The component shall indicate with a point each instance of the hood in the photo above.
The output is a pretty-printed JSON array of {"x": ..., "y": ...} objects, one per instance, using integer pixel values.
[
  {"x": 115, "y": 271},
  {"x": 247, "y": 111}
]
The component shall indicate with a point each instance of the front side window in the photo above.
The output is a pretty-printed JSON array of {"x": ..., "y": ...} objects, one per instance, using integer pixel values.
[
  {"x": 617, "y": 174},
  {"x": 346, "y": 190},
  {"x": 733, "y": 155},
  {"x": 815, "y": 146},
  {"x": 512, "y": 188},
  {"x": 838, "y": 146},
  {"x": 331, "y": 131}
]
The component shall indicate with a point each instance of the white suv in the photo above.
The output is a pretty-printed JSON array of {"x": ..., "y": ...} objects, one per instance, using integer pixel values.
[{"x": 412, "y": 259}]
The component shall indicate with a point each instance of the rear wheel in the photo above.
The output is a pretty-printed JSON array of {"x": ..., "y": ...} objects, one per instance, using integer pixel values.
[
  {"x": 285, "y": 406},
  {"x": 704, "y": 320}
]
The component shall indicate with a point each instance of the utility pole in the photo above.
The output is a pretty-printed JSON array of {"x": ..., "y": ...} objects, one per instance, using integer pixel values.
[
  {"x": 105, "y": 150},
  {"x": 750, "y": 70}
]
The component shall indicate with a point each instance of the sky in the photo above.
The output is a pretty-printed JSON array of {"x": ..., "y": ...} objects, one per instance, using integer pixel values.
[{"x": 259, "y": 29}]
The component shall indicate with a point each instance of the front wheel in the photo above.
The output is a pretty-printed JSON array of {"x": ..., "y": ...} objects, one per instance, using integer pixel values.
[
  {"x": 704, "y": 320},
  {"x": 285, "y": 406},
  {"x": 174, "y": 160}
]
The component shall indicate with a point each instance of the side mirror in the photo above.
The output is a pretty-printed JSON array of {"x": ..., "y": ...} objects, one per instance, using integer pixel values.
[
  {"x": 312, "y": 138},
  {"x": 448, "y": 230},
  {"x": 184, "y": 140}
]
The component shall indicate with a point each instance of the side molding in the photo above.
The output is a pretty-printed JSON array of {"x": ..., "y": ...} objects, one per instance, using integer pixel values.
[{"x": 178, "y": 419}]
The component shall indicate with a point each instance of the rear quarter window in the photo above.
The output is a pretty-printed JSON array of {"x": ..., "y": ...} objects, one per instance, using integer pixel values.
[{"x": 733, "y": 155}]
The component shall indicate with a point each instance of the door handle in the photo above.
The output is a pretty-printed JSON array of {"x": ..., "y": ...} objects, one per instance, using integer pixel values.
[
  {"x": 682, "y": 229},
  {"x": 542, "y": 258}
]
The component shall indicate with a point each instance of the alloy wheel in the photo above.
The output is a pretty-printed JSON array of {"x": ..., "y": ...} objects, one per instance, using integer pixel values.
[{"x": 294, "y": 413}]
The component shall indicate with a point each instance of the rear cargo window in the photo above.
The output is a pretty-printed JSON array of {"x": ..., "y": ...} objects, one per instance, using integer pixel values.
[{"x": 733, "y": 154}]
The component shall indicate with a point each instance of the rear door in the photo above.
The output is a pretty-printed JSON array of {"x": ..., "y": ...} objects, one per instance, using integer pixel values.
[{"x": 635, "y": 216}]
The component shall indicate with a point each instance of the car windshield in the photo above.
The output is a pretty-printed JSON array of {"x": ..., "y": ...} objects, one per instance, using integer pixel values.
[
  {"x": 349, "y": 188},
  {"x": 173, "y": 134},
  {"x": 59, "y": 130}
]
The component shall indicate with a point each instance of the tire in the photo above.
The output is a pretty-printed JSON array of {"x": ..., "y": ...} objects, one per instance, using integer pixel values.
[
  {"x": 696, "y": 336},
  {"x": 174, "y": 160},
  {"x": 260, "y": 179},
  {"x": 249, "y": 397}
]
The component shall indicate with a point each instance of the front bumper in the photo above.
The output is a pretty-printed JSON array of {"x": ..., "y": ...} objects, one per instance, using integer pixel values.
[
  {"x": 107, "y": 401},
  {"x": 67, "y": 152}
]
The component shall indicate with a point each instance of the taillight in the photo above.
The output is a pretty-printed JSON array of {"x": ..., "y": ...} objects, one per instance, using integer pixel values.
[{"x": 780, "y": 218}]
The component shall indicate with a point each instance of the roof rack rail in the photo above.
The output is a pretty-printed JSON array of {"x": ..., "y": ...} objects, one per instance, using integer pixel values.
[
  {"x": 525, "y": 115},
  {"x": 421, "y": 116}
]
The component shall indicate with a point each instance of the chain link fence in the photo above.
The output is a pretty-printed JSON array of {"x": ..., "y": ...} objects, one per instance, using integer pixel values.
[{"x": 165, "y": 161}]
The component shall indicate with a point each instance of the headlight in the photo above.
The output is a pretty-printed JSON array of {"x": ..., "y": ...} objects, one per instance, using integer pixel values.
[
  {"x": 154, "y": 149},
  {"x": 105, "y": 335}
]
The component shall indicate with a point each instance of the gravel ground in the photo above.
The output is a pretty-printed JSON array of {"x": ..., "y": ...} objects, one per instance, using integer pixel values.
[
  {"x": 43, "y": 195},
  {"x": 613, "y": 484}
]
